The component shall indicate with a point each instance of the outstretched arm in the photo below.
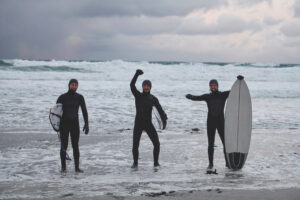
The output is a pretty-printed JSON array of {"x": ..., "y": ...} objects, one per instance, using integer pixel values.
[
  {"x": 161, "y": 112},
  {"x": 133, "y": 81},
  {"x": 197, "y": 98}
]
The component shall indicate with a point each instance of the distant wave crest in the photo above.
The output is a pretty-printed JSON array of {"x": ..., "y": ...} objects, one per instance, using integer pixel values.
[
  {"x": 3, "y": 63},
  {"x": 258, "y": 65},
  {"x": 41, "y": 69},
  {"x": 38, "y": 66},
  {"x": 81, "y": 65},
  {"x": 267, "y": 65}
]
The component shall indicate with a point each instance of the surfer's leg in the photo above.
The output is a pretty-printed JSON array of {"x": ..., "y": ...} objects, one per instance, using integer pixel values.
[
  {"x": 137, "y": 133},
  {"x": 64, "y": 137},
  {"x": 220, "y": 129},
  {"x": 211, "y": 132},
  {"x": 75, "y": 140},
  {"x": 151, "y": 132}
]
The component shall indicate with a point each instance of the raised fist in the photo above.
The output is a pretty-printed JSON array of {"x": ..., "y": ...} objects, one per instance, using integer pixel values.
[
  {"x": 188, "y": 96},
  {"x": 240, "y": 77},
  {"x": 139, "y": 72}
]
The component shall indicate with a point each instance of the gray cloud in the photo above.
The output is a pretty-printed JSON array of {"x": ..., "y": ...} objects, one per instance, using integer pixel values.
[
  {"x": 157, "y": 8},
  {"x": 130, "y": 30},
  {"x": 108, "y": 8},
  {"x": 137, "y": 25},
  {"x": 246, "y": 3},
  {"x": 39, "y": 33},
  {"x": 297, "y": 8},
  {"x": 292, "y": 42},
  {"x": 29, "y": 30},
  {"x": 291, "y": 28},
  {"x": 226, "y": 24},
  {"x": 271, "y": 21}
]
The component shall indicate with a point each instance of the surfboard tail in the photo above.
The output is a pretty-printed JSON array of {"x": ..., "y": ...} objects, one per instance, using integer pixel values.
[{"x": 236, "y": 160}]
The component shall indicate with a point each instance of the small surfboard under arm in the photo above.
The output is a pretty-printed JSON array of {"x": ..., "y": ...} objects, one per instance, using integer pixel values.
[{"x": 55, "y": 116}]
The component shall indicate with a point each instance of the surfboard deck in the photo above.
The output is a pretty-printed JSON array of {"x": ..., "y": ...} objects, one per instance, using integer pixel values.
[{"x": 238, "y": 125}]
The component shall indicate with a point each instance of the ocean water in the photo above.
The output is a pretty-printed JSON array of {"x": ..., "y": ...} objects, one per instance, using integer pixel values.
[{"x": 30, "y": 87}]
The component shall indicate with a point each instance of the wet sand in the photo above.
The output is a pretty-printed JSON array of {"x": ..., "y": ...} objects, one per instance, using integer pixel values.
[{"x": 216, "y": 194}]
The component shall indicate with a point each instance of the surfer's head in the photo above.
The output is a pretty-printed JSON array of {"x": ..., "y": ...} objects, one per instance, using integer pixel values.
[
  {"x": 146, "y": 86},
  {"x": 73, "y": 85},
  {"x": 213, "y": 85}
]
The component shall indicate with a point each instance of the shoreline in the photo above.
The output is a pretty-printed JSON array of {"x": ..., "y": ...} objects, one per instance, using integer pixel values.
[
  {"x": 219, "y": 194},
  {"x": 216, "y": 194}
]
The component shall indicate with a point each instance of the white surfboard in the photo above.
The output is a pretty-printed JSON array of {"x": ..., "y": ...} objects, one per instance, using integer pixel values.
[
  {"x": 158, "y": 121},
  {"x": 55, "y": 116},
  {"x": 238, "y": 125}
]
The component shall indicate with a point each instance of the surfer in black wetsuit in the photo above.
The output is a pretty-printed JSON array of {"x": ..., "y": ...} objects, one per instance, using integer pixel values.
[
  {"x": 70, "y": 123},
  {"x": 215, "y": 117},
  {"x": 143, "y": 120}
]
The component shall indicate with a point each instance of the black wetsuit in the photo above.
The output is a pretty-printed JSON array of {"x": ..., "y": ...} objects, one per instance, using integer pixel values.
[
  {"x": 70, "y": 124},
  {"x": 215, "y": 118},
  {"x": 143, "y": 120}
]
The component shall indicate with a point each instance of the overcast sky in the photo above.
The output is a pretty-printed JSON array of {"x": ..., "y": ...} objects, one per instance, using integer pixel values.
[{"x": 151, "y": 30}]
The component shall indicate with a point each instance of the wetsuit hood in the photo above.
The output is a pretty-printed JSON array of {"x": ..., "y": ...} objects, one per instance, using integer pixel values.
[
  {"x": 213, "y": 81},
  {"x": 70, "y": 82},
  {"x": 73, "y": 81},
  {"x": 147, "y": 82}
]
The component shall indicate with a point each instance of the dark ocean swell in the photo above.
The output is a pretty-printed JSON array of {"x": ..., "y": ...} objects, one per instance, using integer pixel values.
[
  {"x": 3, "y": 63},
  {"x": 42, "y": 69},
  {"x": 255, "y": 65}
]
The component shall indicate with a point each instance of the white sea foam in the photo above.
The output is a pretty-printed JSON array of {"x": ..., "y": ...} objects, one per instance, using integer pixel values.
[
  {"x": 105, "y": 86},
  {"x": 273, "y": 162},
  {"x": 27, "y": 95}
]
